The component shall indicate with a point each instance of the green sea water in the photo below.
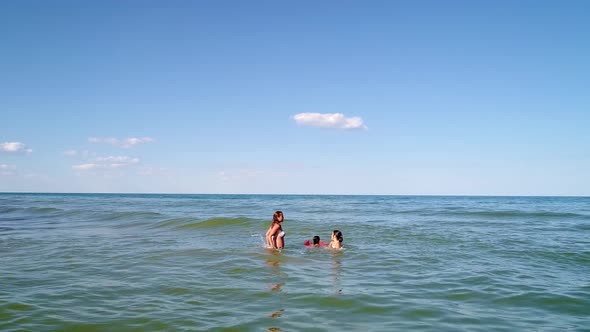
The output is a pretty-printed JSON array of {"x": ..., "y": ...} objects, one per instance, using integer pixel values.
[{"x": 94, "y": 262}]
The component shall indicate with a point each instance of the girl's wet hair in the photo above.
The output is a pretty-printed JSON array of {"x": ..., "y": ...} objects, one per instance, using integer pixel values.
[
  {"x": 275, "y": 217},
  {"x": 316, "y": 240},
  {"x": 338, "y": 235}
]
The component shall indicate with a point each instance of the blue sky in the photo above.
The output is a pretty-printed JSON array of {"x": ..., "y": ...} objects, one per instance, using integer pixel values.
[{"x": 320, "y": 97}]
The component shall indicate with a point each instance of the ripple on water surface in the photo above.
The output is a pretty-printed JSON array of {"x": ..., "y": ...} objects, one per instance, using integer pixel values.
[{"x": 197, "y": 262}]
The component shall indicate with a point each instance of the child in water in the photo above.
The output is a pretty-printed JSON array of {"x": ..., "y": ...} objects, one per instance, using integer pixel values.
[
  {"x": 316, "y": 242},
  {"x": 336, "y": 242}
]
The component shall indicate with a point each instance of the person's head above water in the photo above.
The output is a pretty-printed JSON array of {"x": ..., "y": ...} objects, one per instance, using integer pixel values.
[
  {"x": 316, "y": 240},
  {"x": 278, "y": 216},
  {"x": 338, "y": 235}
]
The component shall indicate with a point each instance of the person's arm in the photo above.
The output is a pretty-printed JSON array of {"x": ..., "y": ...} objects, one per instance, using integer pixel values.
[{"x": 271, "y": 231}]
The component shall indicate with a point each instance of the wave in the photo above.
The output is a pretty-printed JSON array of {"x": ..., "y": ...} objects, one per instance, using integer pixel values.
[
  {"x": 518, "y": 214},
  {"x": 565, "y": 303},
  {"x": 132, "y": 215},
  {"x": 12, "y": 219},
  {"x": 219, "y": 222},
  {"x": 42, "y": 210},
  {"x": 458, "y": 211},
  {"x": 9, "y": 209},
  {"x": 174, "y": 222},
  {"x": 31, "y": 210}
]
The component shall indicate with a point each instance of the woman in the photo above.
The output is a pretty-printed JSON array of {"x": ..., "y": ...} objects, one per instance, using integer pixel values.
[
  {"x": 337, "y": 238},
  {"x": 275, "y": 237}
]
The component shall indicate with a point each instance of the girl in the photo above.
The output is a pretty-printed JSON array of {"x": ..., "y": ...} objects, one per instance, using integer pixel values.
[
  {"x": 315, "y": 242},
  {"x": 275, "y": 237},
  {"x": 336, "y": 242}
]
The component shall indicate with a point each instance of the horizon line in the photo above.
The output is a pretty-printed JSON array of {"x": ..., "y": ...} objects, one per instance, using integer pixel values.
[{"x": 288, "y": 194}]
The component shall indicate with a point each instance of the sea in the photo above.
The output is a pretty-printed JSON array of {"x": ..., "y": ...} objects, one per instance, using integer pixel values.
[{"x": 150, "y": 262}]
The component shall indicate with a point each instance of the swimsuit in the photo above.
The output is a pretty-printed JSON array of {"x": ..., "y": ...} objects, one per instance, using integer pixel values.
[{"x": 281, "y": 235}]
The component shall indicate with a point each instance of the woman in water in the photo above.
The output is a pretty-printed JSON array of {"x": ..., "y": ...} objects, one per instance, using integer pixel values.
[
  {"x": 275, "y": 237},
  {"x": 336, "y": 242}
]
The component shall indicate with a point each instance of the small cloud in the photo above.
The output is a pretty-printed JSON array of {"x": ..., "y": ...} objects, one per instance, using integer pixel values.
[
  {"x": 329, "y": 120},
  {"x": 14, "y": 147},
  {"x": 84, "y": 167},
  {"x": 118, "y": 160},
  {"x": 70, "y": 153},
  {"x": 125, "y": 143},
  {"x": 7, "y": 170},
  {"x": 106, "y": 163},
  {"x": 131, "y": 142}
]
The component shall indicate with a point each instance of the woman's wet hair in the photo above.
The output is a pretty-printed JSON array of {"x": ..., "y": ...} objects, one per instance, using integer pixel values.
[
  {"x": 338, "y": 235},
  {"x": 316, "y": 240},
  {"x": 275, "y": 217}
]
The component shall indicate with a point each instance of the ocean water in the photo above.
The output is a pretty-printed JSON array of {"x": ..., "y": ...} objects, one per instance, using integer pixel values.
[{"x": 107, "y": 262}]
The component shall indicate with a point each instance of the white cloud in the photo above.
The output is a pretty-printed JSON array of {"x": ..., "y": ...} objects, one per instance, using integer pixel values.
[
  {"x": 118, "y": 159},
  {"x": 108, "y": 140},
  {"x": 70, "y": 153},
  {"x": 125, "y": 143},
  {"x": 329, "y": 120},
  {"x": 84, "y": 167},
  {"x": 130, "y": 142},
  {"x": 14, "y": 147},
  {"x": 7, "y": 169},
  {"x": 106, "y": 163}
]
